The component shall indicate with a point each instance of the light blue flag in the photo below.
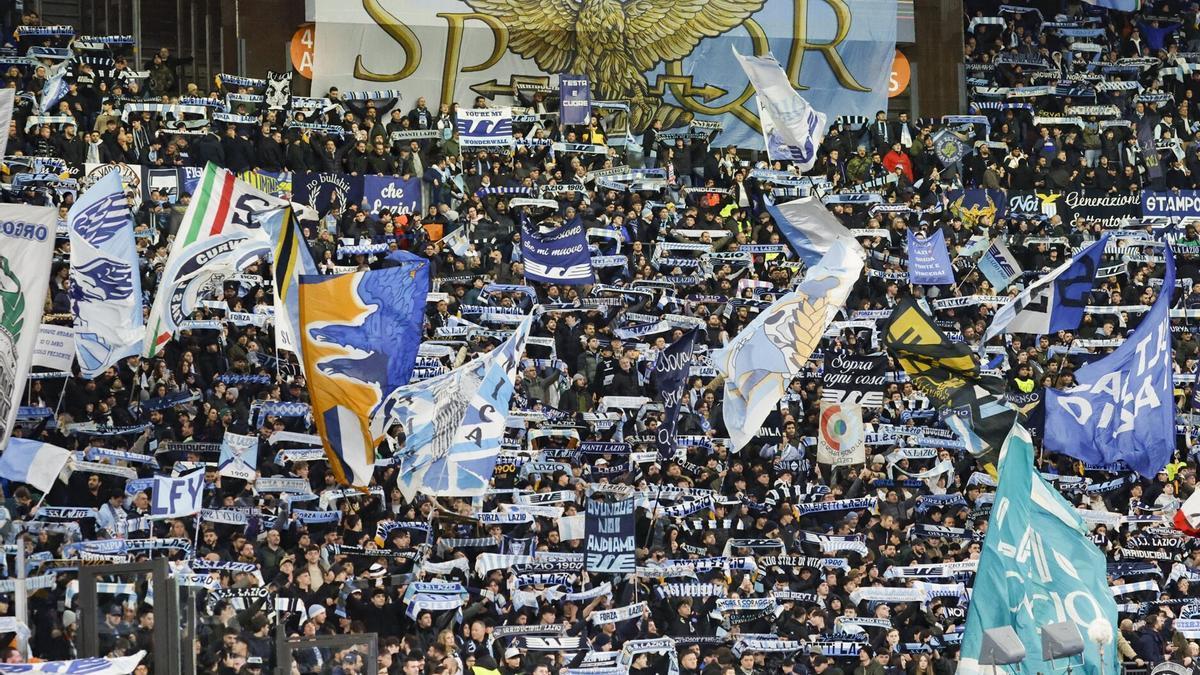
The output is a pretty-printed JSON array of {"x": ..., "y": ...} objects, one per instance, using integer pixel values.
[
  {"x": 809, "y": 227},
  {"x": 454, "y": 423},
  {"x": 239, "y": 456},
  {"x": 1119, "y": 5},
  {"x": 1038, "y": 567},
  {"x": 759, "y": 362},
  {"x": 106, "y": 283},
  {"x": 1123, "y": 408},
  {"x": 33, "y": 462},
  {"x": 56, "y": 86}
]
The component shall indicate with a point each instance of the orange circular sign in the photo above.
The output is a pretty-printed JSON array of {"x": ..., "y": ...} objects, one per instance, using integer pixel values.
[
  {"x": 301, "y": 48},
  {"x": 901, "y": 73}
]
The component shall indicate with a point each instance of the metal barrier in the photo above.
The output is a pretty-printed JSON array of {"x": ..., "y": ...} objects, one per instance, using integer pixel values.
[
  {"x": 161, "y": 592},
  {"x": 324, "y": 654}
]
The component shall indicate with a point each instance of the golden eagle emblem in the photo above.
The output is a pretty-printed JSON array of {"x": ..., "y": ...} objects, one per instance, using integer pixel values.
[
  {"x": 614, "y": 42},
  {"x": 974, "y": 214}
]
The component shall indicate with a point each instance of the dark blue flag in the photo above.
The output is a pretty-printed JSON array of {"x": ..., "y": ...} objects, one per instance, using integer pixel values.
[
  {"x": 560, "y": 256},
  {"x": 574, "y": 99},
  {"x": 326, "y": 192},
  {"x": 1123, "y": 408},
  {"x": 670, "y": 375}
]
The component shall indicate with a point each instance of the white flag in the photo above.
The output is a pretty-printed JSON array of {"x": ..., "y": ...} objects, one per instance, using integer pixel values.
[
  {"x": 7, "y": 98},
  {"x": 792, "y": 129},
  {"x": 26, "y": 248}
]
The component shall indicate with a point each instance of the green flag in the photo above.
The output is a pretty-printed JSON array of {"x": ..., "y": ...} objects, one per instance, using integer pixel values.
[{"x": 1038, "y": 567}]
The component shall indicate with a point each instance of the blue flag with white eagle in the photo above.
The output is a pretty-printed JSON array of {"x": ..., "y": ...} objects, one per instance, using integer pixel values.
[
  {"x": 106, "y": 281},
  {"x": 1038, "y": 567},
  {"x": 1123, "y": 407},
  {"x": 558, "y": 256}
]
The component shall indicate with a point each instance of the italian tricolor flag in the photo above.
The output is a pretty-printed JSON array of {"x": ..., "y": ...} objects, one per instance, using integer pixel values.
[{"x": 1187, "y": 518}]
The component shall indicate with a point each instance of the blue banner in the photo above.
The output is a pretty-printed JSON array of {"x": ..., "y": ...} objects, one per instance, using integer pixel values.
[
  {"x": 928, "y": 260},
  {"x": 559, "y": 256},
  {"x": 1123, "y": 407},
  {"x": 609, "y": 535},
  {"x": 327, "y": 191},
  {"x": 106, "y": 285},
  {"x": 670, "y": 376},
  {"x": 398, "y": 195},
  {"x": 574, "y": 99},
  {"x": 1174, "y": 204},
  {"x": 1038, "y": 567}
]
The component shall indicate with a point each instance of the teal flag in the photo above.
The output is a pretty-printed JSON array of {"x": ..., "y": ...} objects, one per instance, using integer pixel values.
[{"x": 1037, "y": 568}]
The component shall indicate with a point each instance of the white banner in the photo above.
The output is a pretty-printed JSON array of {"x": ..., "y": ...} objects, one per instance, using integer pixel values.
[
  {"x": 7, "y": 98},
  {"x": 26, "y": 246},
  {"x": 122, "y": 665},
  {"x": 55, "y": 348}
]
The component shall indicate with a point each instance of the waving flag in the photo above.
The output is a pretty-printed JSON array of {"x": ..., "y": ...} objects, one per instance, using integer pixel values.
[
  {"x": 218, "y": 235},
  {"x": 106, "y": 281},
  {"x": 33, "y": 462},
  {"x": 454, "y": 422},
  {"x": 1123, "y": 406},
  {"x": 928, "y": 260},
  {"x": 809, "y": 227},
  {"x": 792, "y": 129},
  {"x": 1053, "y": 303},
  {"x": 1187, "y": 518},
  {"x": 359, "y": 333},
  {"x": 759, "y": 361},
  {"x": 1037, "y": 567},
  {"x": 56, "y": 86},
  {"x": 949, "y": 374},
  {"x": 670, "y": 372},
  {"x": 291, "y": 260},
  {"x": 26, "y": 249},
  {"x": 999, "y": 265},
  {"x": 559, "y": 256}
]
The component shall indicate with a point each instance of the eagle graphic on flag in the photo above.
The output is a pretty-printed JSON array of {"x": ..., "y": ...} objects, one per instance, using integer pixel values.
[{"x": 613, "y": 42}]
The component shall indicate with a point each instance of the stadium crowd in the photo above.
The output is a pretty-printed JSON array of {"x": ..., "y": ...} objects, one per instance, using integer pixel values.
[{"x": 1049, "y": 120}]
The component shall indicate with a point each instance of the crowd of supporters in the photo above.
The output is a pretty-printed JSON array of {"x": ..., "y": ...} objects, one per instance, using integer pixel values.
[{"x": 1081, "y": 137}]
